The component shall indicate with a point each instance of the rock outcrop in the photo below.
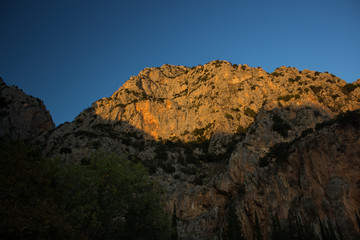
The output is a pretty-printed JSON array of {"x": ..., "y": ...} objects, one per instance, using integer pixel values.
[
  {"x": 205, "y": 102},
  {"x": 22, "y": 116},
  {"x": 314, "y": 176},
  {"x": 223, "y": 133}
]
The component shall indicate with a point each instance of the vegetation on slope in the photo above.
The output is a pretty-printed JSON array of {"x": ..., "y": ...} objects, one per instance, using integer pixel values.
[{"x": 108, "y": 198}]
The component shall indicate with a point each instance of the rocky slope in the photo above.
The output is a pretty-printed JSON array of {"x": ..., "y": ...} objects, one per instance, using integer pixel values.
[
  {"x": 22, "y": 116},
  {"x": 313, "y": 175},
  {"x": 223, "y": 133}
]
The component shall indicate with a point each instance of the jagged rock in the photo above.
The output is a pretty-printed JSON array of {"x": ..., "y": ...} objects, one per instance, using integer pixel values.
[
  {"x": 22, "y": 116},
  {"x": 221, "y": 132},
  {"x": 203, "y": 102}
]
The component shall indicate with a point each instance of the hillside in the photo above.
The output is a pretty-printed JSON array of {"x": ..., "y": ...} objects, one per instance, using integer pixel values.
[{"x": 222, "y": 134}]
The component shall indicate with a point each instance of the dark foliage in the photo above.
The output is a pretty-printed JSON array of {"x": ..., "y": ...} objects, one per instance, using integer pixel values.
[
  {"x": 323, "y": 124},
  {"x": 349, "y": 118},
  {"x": 65, "y": 150},
  {"x": 280, "y": 126},
  {"x": 106, "y": 198},
  {"x": 279, "y": 152},
  {"x": 3, "y": 103},
  {"x": 250, "y": 112},
  {"x": 316, "y": 89},
  {"x": 348, "y": 88}
]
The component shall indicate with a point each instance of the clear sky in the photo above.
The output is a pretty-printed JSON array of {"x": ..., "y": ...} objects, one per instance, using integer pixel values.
[{"x": 70, "y": 53}]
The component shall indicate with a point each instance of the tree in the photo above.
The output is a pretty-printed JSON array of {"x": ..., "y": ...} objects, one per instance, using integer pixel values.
[
  {"x": 113, "y": 198},
  {"x": 29, "y": 202},
  {"x": 108, "y": 198}
]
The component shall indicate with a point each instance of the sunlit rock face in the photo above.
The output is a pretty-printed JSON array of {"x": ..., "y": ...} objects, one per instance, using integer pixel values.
[
  {"x": 222, "y": 133},
  {"x": 22, "y": 116}
]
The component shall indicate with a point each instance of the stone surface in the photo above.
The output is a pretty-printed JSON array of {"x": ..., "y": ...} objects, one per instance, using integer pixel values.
[
  {"x": 208, "y": 134},
  {"x": 22, "y": 116}
]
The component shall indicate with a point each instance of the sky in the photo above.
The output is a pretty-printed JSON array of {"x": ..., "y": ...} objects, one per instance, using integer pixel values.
[{"x": 70, "y": 53}]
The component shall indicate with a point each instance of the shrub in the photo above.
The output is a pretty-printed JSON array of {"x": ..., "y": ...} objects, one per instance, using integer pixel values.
[
  {"x": 323, "y": 124},
  {"x": 168, "y": 168},
  {"x": 292, "y": 80},
  {"x": 3, "y": 103},
  {"x": 250, "y": 112},
  {"x": 335, "y": 96},
  {"x": 81, "y": 133},
  {"x": 229, "y": 116},
  {"x": 263, "y": 162},
  {"x": 280, "y": 126},
  {"x": 348, "y": 88},
  {"x": 280, "y": 151},
  {"x": 65, "y": 150},
  {"x": 161, "y": 153},
  {"x": 241, "y": 130},
  {"x": 189, "y": 170},
  {"x": 306, "y": 132},
  {"x": 204, "y": 77},
  {"x": 217, "y": 63},
  {"x": 185, "y": 133},
  {"x": 349, "y": 118},
  {"x": 316, "y": 89},
  {"x": 199, "y": 179},
  {"x": 200, "y": 131},
  {"x": 285, "y": 98}
]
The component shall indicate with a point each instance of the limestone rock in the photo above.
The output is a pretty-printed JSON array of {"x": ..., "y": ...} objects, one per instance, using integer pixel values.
[
  {"x": 213, "y": 102},
  {"x": 22, "y": 116},
  {"x": 222, "y": 132}
]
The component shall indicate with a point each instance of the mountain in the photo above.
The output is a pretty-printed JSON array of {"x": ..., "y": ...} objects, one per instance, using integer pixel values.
[
  {"x": 210, "y": 102},
  {"x": 284, "y": 143},
  {"x": 22, "y": 116}
]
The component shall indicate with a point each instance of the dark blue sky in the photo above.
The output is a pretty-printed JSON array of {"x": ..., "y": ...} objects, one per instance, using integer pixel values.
[{"x": 71, "y": 53}]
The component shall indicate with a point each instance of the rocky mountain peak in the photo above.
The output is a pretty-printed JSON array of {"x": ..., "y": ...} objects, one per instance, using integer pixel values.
[
  {"x": 220, "y": 133},
  {"x": 178, "y": 103}
]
